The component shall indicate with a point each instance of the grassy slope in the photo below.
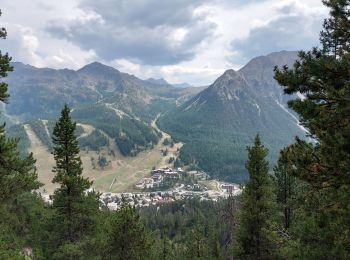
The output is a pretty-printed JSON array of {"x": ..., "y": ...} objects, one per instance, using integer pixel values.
[{"x": 123, "y": 172}]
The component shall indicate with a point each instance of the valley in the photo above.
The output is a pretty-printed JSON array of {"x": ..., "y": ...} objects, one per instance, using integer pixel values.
[
  {"x": 175, "y": 130},
  {"x": 121, "y": 172},
  {"x": 115, "y": 114}
]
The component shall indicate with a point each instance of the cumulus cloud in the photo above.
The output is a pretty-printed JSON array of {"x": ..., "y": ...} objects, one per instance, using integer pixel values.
[
  {"x": 150, "y": 32},
  {"x": 24, "y": 44},
  {"x": 296, "y": 27},
  {"x": 21, "y": 42},
  {"x": 180, "y": 40}
]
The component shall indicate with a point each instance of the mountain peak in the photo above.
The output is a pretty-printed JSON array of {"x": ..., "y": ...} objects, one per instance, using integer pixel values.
[
  {"x": 229, "y": 76},
  {"x": 100, "y": 71},
  {"x": 160, "y": 81},
  {"x": 97, "y": 67},
  {"x": 268, "y": 62},
  {"x": 182, "y": 85},
  {"x": 227, "y": 86},
  {"x": 230, "y": 73}
]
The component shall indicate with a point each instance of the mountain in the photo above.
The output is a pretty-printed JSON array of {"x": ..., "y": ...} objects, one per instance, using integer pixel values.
[
  {"x": 182, "y": 85},
  {"x": 217, "y": 124},
  {"x": 118, "y": 104},
  {"x": 157, "y": 81},
  {"x": 163, "y": 82},
  {"x": 93, "y": 83}
]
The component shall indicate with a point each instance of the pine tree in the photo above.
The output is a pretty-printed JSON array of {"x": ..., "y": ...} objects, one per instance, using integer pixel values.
[
  {"x": 197, "y": 247},
  {"x": 230, "y": 218},
  {"x": 17, "y": 174},
  {"x": 75, "y": 208},
  {"x": 166, "y": 250},
  {"x": 286, "y": 188},
  {"x": 255, "y": 235},
  {"x": 129, "y": 238},
  {"x": 322, "y": 76},
  {"x": 335, "y": 35}
]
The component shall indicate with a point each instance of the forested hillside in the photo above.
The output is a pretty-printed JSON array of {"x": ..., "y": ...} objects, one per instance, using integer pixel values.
[
  {"x": 117, "y": 104},
  {"x": 300, "y": 210},
  {"x": 217, "y": 124}
]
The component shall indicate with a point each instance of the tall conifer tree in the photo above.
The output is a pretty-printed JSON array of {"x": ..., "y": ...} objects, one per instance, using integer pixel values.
[
  {"x": 323, "y": 77},
  {"x": 255, "y": 235},
  {"x": 130, "y": 238},
  {"x": 75, "y": 207},
  {"x": 286, "y": 188},
  {"x": 17, "y": 174}
]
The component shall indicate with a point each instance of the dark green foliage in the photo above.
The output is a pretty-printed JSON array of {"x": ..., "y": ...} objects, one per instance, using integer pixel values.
[
  {"x": 189, "y": 228},
  {"x": 40, "y": 131},
  {"x": 99, "y": 116},
  {"x": 311, "y": 220},
  {"x": 286, "y": 186},
  {"x": 156, "y": 107},
  {"x": 168, "y": 142},
  {"x": 256, "y": 236},
  {"x": 129, "y": 238},
  {"x": 221, "y": 158},
  {"x": 5, "y": 67},
  {"x": 75, "y": 210},
  {"x": 131, "y": 135},
  {"x": 17, "y": 175},
  {"x": 217, "y": 124},
  {"x": 18, "y": 132},
  {"x": 94, "y": 141},
  {"x": 322, "y": 75},
  {"x": 217, "y": 147},
  {"x": 102, "y": 161},
  {"x": 22, "y": 226},
  {"x": 210, "y": 148},
  {"x": 335, "y": 35}
]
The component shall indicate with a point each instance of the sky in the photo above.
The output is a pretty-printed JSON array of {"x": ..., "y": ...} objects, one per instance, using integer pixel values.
[{"x": 192, "y": 41}]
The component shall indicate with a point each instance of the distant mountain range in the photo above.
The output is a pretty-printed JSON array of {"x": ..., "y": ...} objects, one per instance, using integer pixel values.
[
  {"x": 215, "y": 123},
  {"x": 41, "y": 92},
  {"x": 162, "y": 81},
  {"x": 119, "y": 104}
]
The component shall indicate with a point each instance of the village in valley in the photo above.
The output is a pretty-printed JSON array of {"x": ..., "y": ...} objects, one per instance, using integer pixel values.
[
  {"x": 155, "y": 190},
  {"x": 159, "y": 176},
  {"x": 155, "y": 185},
  {"x": 167, "y": 185}
]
